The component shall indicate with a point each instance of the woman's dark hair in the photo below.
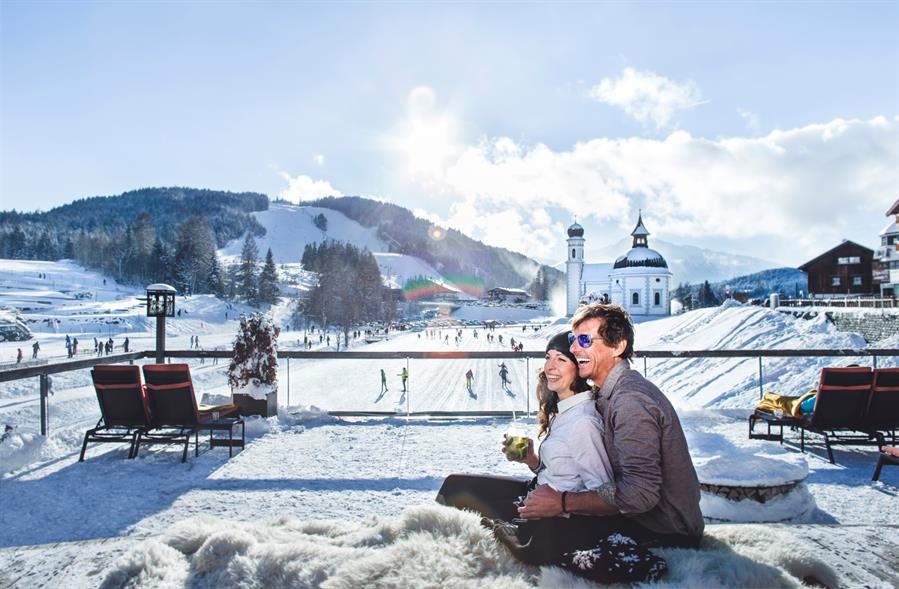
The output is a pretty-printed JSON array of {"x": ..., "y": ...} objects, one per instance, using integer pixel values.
[{"x": 549, "y": 401}]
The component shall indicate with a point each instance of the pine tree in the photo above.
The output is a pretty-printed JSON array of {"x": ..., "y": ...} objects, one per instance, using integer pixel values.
[
  {"x": 216, "y": 282},
  {"x": 268, "y": 281},
  {"x": 247, "y": 287}
]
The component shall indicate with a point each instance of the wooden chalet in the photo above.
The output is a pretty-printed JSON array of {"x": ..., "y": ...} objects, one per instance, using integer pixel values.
[{"x": 845, "y": 269}]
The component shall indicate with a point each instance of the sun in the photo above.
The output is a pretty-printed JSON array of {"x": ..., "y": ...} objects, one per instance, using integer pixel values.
[{"x": 427, "y": 138}]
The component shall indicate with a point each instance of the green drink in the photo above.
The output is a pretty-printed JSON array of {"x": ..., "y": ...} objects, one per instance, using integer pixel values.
[{"x": 516, "y": 447}]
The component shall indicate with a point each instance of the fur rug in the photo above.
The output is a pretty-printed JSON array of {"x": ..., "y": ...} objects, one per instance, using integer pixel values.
[{"x": 427, "y": 546}]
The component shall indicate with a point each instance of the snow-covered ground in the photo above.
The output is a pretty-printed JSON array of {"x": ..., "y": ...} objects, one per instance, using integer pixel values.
[{"x": 308, "y": 465}]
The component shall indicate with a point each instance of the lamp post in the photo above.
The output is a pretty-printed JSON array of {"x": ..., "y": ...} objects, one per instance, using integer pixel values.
[{"x": 160, "y": 304}]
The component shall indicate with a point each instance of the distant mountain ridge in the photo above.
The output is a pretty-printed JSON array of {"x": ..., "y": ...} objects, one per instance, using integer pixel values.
[
  {"x": 688, "y": 263},
  {"x": 229, "y": 215},
  {"x": 452, "y": 253}
]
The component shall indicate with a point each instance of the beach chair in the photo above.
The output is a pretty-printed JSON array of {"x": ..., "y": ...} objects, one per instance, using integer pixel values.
[
  {"x": 124, "y": 412},
  {"x": 841, "y": 409},
  {"x": 889, "y": 456},
  {"x": 883, "y": 407},
  {"x": 176, "y": 416}
]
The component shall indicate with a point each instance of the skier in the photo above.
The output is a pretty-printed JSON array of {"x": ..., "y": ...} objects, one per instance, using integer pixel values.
[
  {"x": 74, "y": 346},
  {"x": 504, "y": 375},
  {"x": 383, "y": 381},
  {"x": 469, "y": 376},
  {"x": 19, "y": 356},
  {"x": 34, "y": 350},
  {"x": 126, "y": 345},
  {"x": 404, "y": 374}
]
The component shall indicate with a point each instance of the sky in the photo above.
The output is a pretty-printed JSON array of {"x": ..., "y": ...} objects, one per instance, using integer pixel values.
[{"x": 759, "y": 128}]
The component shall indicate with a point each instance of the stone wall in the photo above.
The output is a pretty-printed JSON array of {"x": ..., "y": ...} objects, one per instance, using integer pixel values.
[{"x": 871, "y": 326}]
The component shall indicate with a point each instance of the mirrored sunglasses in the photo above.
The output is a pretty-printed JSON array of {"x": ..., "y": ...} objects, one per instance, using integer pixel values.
[{"x": 584, "y": 340}]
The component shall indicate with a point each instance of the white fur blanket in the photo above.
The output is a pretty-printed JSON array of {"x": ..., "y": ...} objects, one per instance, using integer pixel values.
[{"x": 426, "y": 546}]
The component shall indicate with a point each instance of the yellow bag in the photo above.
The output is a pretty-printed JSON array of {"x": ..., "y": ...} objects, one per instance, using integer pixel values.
[{"x": 772, "y": 402}]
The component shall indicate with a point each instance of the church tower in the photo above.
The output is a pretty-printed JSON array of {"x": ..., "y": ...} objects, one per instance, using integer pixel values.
[{"x": 574, "y": 267}]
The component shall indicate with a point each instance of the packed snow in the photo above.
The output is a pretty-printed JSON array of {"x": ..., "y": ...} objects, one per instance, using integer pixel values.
[{"x": 306, "y": 465}]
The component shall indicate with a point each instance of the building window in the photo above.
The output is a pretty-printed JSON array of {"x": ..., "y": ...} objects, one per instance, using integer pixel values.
[
  {"x": 635, "y": 298},
  {"x": 657, "y": 299},
  {"x": 573, "y": 254},
  {"x": 835, "y": 281},
  {"x": 849, "y": 260},
  {"x": 856, "y": 281}
]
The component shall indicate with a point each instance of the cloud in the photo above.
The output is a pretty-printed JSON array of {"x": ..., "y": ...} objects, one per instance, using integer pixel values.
[
  {"x": 751, "y": 118},
  {"x": 303, "y": 188},
  {"x": 647, "y": 96},
  {"x": 319, "y": 159},
  {"x": 808, "y": 187}
]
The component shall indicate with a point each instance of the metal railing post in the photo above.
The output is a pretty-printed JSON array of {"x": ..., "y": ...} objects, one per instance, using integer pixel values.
[
  {"x": 761, "y": 392},
  {"x": 527, "y": 390},
  {"x": 874, "y": 359},
  {"x": 408, "y": 391},
  {"x": 45, "y": 391},
  {"x": 288, "y": 382},
  {"x": 644, "y": 367}
]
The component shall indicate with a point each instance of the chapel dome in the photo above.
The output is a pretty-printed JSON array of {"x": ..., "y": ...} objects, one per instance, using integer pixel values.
[
  {"x": 575, "y": 231},
  {"x": 641, "y": 257}
]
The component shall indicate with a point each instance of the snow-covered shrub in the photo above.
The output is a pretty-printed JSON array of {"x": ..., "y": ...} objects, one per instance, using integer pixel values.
[{"x": 254, "y": 367}]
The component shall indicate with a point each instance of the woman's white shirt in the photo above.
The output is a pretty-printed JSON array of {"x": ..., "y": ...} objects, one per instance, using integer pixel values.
[{"x": 573, "y": 455}]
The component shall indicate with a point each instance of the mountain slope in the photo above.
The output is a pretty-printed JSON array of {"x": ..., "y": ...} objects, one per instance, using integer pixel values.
[{"x": 453, "y": 254}]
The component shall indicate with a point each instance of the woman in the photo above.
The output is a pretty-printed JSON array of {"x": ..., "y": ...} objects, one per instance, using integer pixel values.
[{"x": 572, "y": 457}]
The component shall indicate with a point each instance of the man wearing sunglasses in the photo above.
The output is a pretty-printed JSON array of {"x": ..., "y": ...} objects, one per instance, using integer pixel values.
[{"x": 655, "y": 496}]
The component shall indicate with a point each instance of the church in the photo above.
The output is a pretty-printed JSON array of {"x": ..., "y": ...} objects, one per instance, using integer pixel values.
[{"x": 639, "y": 280}]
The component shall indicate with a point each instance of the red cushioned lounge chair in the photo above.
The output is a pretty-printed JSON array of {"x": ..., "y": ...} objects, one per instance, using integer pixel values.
[
  {"x": 176, "y": 415},
  {"x": 124, "y": 412}
]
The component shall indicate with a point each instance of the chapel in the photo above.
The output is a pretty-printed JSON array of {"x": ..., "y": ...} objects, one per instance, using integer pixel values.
[{"x": 638, "y": 281}]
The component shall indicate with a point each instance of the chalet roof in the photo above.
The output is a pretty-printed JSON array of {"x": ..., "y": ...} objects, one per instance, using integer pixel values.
[
  {"x": 833, "y": 250},
  {"x": 894, "y": 210},
  {"x": 508, "y": 291}
]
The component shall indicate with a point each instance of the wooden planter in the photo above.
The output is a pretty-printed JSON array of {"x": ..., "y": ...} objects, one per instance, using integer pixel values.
[{"x": 247, "y": 405}]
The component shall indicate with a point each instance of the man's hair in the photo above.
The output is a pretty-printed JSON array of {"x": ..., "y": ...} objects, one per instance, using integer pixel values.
[{"x": 615, "y": 326}]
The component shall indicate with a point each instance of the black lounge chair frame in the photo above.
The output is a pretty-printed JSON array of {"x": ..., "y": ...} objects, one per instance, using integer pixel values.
[
  {"x": 123, "y": 407},
  {"x": 886, "y": 459},
  {"x": 176, "y": 417},
  {"x": 842, "y": 414}
]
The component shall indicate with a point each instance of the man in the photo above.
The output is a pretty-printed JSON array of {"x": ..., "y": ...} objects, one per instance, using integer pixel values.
[
  {"x": 404, "y": 375},
  {"x": 655, "y": 496}
]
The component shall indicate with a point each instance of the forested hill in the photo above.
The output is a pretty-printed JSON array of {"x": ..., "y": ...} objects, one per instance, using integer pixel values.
[
  {"x": 228, "y": 214},
  {"x": 452, "y": 253}
]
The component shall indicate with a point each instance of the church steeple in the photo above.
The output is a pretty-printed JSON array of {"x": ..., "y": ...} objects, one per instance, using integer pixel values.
[{"x": 640, "y": 234}]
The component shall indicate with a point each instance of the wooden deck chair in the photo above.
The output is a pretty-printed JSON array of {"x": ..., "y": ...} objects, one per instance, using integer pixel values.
[
  {"x": 841, "y": 407},
  {"x": 124, "y": 412},
  {"x": 883, "y": 407},
  {"x": 176, "y": 415}
]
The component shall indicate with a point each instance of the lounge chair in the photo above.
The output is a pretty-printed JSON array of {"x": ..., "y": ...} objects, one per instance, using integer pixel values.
[
  {"x": 889, "y": 456},
  {"x": 124, "y": 412},
  {"x": 176, "y": 415},
  {"x": 841, "y": 413},
  {"x": 883, "y": 407},
  {"x": 841, "y": 409}
]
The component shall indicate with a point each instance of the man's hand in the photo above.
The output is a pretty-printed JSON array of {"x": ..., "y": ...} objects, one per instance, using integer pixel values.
[{"x": 544, "y": 501}]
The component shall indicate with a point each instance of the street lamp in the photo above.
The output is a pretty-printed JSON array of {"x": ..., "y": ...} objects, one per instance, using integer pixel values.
[{"x": 160, "y": 304}]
